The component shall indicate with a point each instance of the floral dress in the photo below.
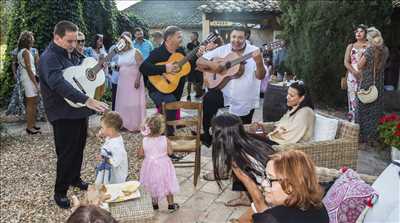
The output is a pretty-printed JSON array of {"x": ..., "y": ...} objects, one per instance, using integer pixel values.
[
  {"x": 367, "y": 115},
  {"x": 352, "y": 82}
]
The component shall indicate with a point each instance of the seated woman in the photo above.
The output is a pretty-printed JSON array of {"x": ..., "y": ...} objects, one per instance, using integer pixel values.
[
  {"x": 291, "y": 191},
  {"x": 232, "y": 143},
  {"x": 297, "y": 125}
]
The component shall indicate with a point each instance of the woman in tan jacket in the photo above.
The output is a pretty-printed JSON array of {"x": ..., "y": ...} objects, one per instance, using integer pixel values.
[{"x": 297, "y": 125}]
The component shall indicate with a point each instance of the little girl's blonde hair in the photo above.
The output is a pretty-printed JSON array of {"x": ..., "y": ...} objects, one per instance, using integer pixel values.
[{"x": 155, "y": 123}]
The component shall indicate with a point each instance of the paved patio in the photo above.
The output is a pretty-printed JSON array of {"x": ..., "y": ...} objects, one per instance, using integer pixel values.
[{"x": 205, "y": 203}]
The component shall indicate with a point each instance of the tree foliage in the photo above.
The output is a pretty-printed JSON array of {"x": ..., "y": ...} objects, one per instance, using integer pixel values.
[
  {"x": 40, "y": 17},
  {"x": 318, "y": 32}
]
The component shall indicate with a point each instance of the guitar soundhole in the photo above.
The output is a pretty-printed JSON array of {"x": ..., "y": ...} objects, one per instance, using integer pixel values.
[{"x": 90, "y": 75}]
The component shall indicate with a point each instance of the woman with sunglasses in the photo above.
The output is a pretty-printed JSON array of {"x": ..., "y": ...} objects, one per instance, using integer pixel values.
[
  {"x": 233, "y": 143},
  {"x": 290, "y": 191},
  {"x": 80, "y": 46}
]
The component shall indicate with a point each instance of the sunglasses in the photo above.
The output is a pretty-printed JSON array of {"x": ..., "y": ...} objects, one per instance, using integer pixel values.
[
  {"x": 266, "y": 180},
  {"x": 81, "y": 41},
  {"x": 299, "y": 82}
]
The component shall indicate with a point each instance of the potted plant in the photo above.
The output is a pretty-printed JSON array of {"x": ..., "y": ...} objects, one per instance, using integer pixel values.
[{"x": 389, "y": 132}]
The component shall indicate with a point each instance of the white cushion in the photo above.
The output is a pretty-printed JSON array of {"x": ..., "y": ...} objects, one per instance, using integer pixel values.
[{"x": 325, "y": 128}]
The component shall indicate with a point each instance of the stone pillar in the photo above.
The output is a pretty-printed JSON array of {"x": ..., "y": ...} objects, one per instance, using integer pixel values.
[{"x": 206, "y": 26}]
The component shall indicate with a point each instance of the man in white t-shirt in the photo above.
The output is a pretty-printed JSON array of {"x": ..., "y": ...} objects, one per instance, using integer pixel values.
[{"x": 242, "y": 94}]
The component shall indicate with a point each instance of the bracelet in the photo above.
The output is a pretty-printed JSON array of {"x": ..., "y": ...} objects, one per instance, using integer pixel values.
[{"x": 253, "y": 208}]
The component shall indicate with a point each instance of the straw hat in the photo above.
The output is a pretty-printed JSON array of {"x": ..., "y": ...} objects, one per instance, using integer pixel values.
[{"x": 374, "y": 36}]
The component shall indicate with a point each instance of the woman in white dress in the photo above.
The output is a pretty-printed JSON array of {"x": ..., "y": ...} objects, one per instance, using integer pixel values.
[{"x": 29, "y": 79}]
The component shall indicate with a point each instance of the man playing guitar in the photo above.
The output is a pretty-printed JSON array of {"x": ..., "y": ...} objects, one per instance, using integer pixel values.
[
  {"x": 69, "y": 124},
  {"x": 171, "y": 44},
  {"x": 241, "y": 94}
]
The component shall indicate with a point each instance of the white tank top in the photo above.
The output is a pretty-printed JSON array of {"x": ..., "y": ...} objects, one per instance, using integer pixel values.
[{"x": 21, "y": 62}]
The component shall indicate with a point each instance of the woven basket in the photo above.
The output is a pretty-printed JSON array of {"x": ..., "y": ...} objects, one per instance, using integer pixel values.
[{"x": 135, "y": 211}]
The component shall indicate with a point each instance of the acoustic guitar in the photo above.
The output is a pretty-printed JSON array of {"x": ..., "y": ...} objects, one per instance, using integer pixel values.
[
  {"x": 233, "y": 67},
  {"x": 88, "y": 76},
  {"x": 168, "y": 82}
]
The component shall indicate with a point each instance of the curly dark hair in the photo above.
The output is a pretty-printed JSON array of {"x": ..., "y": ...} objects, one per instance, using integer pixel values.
[{"x": 25, "y": 40}]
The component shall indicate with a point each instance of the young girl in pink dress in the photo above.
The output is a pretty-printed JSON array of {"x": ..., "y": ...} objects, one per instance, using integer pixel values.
[{"x": 157, "y": 174}]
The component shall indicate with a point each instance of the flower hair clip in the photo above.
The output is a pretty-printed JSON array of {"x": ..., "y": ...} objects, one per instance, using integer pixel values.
[{"x": 145, "y": 130}]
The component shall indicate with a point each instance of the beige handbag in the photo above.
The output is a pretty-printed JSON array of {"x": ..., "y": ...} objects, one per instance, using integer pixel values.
[{"x": 369, "y": 95}]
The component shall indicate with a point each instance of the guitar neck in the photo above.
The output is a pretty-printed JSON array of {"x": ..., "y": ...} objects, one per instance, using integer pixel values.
[
  {"x": 241, "y": 59},
  {"x": 188, "y": 56},
  {"x": 99, "y": 65}
]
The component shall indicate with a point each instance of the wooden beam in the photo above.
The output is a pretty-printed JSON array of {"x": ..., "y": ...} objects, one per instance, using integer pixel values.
[
  {"x": 241, "y": 17},
  {"x": 206, "y": 26}
]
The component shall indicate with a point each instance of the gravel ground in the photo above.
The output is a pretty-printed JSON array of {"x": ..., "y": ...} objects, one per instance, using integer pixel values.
[{"x": 27, "y": 176}]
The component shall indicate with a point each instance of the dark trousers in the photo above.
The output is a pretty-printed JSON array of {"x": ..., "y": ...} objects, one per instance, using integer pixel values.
[
  {"x": 113, "y": 95},
  {"x": 212, "y": 101},
  {"x": 70, "y": 140}
]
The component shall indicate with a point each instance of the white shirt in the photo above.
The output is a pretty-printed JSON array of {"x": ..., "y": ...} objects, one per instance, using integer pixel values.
[
  {"x": 242, "y": 94},
  {"x": 118, "y": 159}
]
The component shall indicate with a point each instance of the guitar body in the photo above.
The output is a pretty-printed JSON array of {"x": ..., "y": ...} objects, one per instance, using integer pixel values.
[
  {"x": 79, "y": 74},
  {"x": 170, "y": 82},
  {"x": 219, "y": 80}
]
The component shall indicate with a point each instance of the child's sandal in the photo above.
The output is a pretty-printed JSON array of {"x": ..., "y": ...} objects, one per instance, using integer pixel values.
[
  {"x": 155, "y": 206},
  {"x": 173, "y": 207}
]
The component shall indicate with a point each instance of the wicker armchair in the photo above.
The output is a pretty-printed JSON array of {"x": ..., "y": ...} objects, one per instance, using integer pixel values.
[{"x": 342, "y": 151}]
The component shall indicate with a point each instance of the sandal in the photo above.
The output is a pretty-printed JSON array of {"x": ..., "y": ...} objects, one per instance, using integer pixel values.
[
  {"x": 238, "y": 202},
  {"x": 210, "y": 177},
  {"x": 155, "y": 206},
  {"x": 173, "y": 207}
]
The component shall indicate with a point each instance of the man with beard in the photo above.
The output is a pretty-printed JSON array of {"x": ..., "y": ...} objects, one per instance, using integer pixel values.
[{"x": 142, "y": 44}]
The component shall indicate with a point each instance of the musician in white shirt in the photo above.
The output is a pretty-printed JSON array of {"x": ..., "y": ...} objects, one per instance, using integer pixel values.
[{"x": 242, "y": 94}]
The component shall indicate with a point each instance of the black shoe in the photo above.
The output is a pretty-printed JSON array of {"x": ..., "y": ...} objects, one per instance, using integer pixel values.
[
  {"x": 37, "y": 128},
  {"x": 62, "y": 201},
  {"x": 30, "y": 132},
  {"x": 188, "y": 98},
  {"x": 206, "y": 140},
  {"x": 175, "y": 158},
  {"x": 173, "y": 207},
  {"x": 81, "y": 185},
  {"x": 155, "y": 206}
]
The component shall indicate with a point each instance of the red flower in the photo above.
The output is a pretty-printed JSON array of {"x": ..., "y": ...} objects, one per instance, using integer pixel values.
[
  {"x": 382, "y": 119},
  {"x": 398, "y": 126},
  {"x": 392, "y": 117},
  {"x": 397, "y": 133}
]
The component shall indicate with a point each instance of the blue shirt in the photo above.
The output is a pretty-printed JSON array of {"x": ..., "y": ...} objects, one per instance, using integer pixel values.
[{"x": 145, "y": 47}]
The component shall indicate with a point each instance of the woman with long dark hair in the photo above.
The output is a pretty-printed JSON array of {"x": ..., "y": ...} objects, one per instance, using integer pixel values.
[
  {"x": 297, "y": 125},
  {"x": 232, "y": 143},
  {"x": 353, "y": 54},
  {"x": 96, "y": 48}
]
